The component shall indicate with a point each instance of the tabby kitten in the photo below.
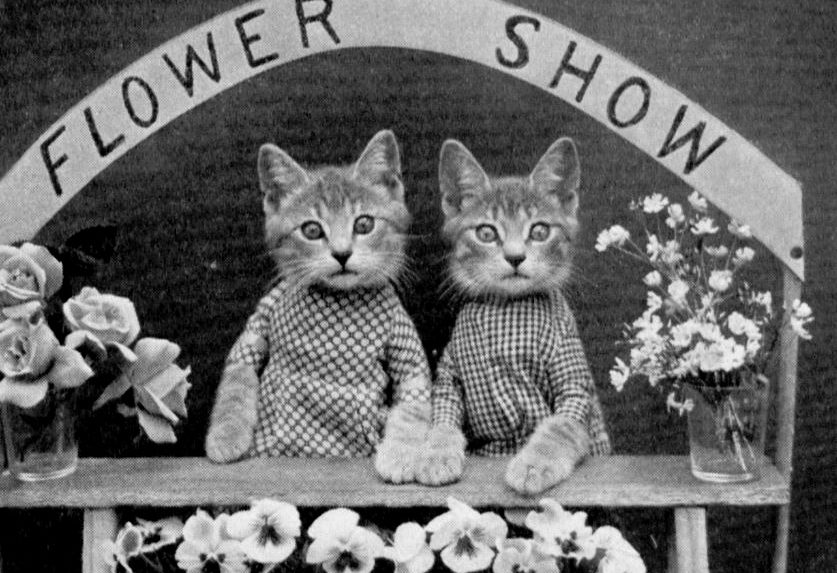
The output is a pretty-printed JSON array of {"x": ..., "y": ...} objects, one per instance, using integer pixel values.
[
  {"x": 310, "y": 373},
  {"x": 514, "y": 376}
]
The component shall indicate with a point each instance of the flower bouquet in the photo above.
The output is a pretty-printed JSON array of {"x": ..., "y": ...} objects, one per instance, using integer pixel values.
[
  {"x": 706, "y": 335},
  {"x": 265, "y": 538},
  {"x": 45, "y": 383}
]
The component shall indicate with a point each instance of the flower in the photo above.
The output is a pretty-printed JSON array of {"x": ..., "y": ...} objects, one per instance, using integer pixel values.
[
  {"x": 765, "y": 300},
  {"x": 738, "y": 324},
  {"x": 685, "y": 406},
  {"x": 678, "y": 290},
  {"x": 743, "y": 256},
  {"x": 619, "y": 374},
  {"x": 619, "y": 555},
  {"x": 739, "y": 230},
  {"x": 31, "y": 359},
  {"x": 801, "y": 315},
  {"x": 267, "y": 531},
  {"x": 675, "y": 215},
  {"x": 340, "y": 545},
  {"x": 653, "y": 248},
  {"x": 159, "y": 386},
  {"x": 654, "y": 302},
  {"x": 560, "y": 533},
  {"x": 652, "y": 279},
  {"x": 110, "y": 318},
  {"x": 409, "y": 550},
  {"x": 204, "y": 542},
  {"x": 704, "y": 226},
  {"x": 698, "y": 202},
  {"x": 29, "y": 273},
  {"x": 615, "y": 235},
  {"x": 466, "y": 537},
  {"x": 654, "y": 203},
  {"x": 128, "y": 544},
  {"x": 519, "y": 555},
  {"x": 157, "y": 534},
  {"x": 717, "y": 252},
  {"x": 719, "y": 280}
]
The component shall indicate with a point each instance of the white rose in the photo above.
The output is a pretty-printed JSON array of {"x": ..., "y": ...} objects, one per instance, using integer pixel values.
[
  {"x": 654, "y": 203},
  {"x": 675, "y": 215},
  {"x": 698, "y": 202},
  {"x": 678, "y": 290},
  {"x": 108, "y": 317}
]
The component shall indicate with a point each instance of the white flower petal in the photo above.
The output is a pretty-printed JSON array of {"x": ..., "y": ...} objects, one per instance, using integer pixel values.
[
  {"x": 337, "y": 522},
  {"x": 476, "y": 560}
]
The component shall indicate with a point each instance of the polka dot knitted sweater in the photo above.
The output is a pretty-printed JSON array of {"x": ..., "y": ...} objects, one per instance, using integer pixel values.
[
  {"x": 510, "y": 364},
  {"x": 332, "y": 362}
]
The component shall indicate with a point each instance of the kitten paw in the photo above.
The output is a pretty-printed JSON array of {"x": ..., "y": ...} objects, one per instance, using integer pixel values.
[
  {"x": 395, "y": 462},
  {"x": 440, "y": 468},
  {"x": 529, "y": 476},
  {"x": 228, "y": 441}
]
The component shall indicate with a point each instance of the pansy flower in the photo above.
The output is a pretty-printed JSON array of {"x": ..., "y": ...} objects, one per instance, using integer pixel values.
[
  {"x": 466, "y": 537},
  {"x": 267, "y": 531},
  {"x": 128, "y": 544},
  {"x": 205, "y": 544},
  {"x": 522, "y": 556},
  {"x": 559, "y": 532},
  {"x": 340, "y": 545},
  {"x": 619, "y": 555},
  {"x": 157, "y": 534},
  {"x": 409, "y": 550}
]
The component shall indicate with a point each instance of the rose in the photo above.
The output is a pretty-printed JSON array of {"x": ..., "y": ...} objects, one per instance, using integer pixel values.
[
  {"x": 27, "y": 274},
  {"x": 31, "y": 359},
  {"x": 159, "y": 386},
  {"x": 109, "y": 317}
]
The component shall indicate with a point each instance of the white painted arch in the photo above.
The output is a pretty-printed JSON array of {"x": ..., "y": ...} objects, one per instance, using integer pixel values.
[{"x": 260, "y": 35}]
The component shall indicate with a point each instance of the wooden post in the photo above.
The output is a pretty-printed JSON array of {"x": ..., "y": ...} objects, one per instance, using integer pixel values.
[
  {"x": 99, "y": 525},
  {"x": 689, "y": 552},
  {"x": 786, "y": 416}
]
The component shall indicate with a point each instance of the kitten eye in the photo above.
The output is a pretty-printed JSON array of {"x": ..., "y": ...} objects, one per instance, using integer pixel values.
[
  {"x": 539, "y": 232},
  {"x": 312, "y": 230},
  {"x": 364, "y": 225},
  {"x": 486, "y": 233}
]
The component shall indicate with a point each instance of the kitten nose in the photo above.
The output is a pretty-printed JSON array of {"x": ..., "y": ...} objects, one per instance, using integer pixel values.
[
  {"x": 342, "y": 257},
  {"x": 515, "y": 260}
]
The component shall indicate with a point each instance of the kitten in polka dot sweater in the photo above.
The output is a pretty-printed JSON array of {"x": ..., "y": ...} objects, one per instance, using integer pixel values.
[
  {"x": 514, "y": 378},
  {"x": 330, "y": 363}
]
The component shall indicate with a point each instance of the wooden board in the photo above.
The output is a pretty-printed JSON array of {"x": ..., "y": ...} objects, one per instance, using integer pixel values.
[{"x": 625, "y": 481}]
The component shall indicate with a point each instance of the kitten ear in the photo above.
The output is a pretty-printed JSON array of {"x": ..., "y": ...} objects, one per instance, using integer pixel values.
[
  {"x": 380, "y": 164},
  {"x": 461, "y": 178},
  {"x": 559, "y": 173},
  {"x": 279, "y": 175}
]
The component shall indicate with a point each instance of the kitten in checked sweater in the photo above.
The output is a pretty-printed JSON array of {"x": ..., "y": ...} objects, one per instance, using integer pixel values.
[
  {"x": 310, "y": 374},
  {"x": 514, "y": 378}
]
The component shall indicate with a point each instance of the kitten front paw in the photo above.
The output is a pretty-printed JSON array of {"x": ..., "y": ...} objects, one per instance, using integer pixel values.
[
  {"x": 395, "y": 462},
  {"x": 440, "y": 468},
  {"x": 228, "y": 441},
  {"x": 443, "y": 457},
  {"x": 529, "y": 475}
]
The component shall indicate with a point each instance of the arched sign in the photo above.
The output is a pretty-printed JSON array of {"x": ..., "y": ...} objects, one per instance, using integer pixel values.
[{"x": 246, "y": 41}]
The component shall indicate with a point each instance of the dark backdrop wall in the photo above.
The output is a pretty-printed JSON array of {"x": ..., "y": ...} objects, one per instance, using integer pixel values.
[{"x": 187, "y": 205}]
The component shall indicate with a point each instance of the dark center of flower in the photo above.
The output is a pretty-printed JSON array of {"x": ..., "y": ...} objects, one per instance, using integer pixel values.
[
  {"x": 518, "y": 568},
  {"x": 465, "y": 546},
  {"x": 153, "y": 536},
  {"x": 347, "y": 562},
  {"x": 268, "y": 534},
  {"x": 210, "y": 565},
  {"x": 568, "y": 545}
]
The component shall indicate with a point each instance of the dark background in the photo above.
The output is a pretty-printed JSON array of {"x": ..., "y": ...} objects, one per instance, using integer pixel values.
[{"x": 187, "y": 205}]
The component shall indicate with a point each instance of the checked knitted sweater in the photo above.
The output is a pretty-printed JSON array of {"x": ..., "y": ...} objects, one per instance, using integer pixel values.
[
  {"x": 332, "y": 363},
  {"x": 511, "y": 363}
]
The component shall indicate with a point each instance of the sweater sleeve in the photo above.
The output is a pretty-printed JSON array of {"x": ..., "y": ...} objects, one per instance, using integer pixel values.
[
  {"x": 251, "y": 345},
  {"x": 571, "y": 382},
  {"x": 406, "y": 360},
  {"x": 448, "y": 399}
]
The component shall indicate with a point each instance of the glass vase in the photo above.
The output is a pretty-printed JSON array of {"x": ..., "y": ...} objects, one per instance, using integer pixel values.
[
  {"x": 41, "y": 440},
  {"x": 726, "y": 430}
]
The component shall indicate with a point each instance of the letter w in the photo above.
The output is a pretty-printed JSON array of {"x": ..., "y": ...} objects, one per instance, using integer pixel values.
[
  {"x": 187, "y": 77},
  {"x": 693, "y": 136}
]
